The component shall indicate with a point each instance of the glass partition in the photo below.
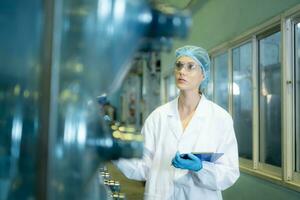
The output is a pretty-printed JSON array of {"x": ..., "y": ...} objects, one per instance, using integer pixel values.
[
  {"x": 242, "y": 98},
  {"x": 270, "y": 99}
]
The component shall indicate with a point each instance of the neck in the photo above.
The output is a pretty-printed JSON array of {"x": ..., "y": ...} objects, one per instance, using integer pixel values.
[{"x": 188, "y": 100}]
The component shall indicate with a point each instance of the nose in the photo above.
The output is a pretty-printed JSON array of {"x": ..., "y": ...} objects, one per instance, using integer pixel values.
[{"x": 183, "y": 70}]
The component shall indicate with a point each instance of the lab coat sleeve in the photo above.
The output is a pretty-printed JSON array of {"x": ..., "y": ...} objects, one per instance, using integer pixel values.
[
  {"x": 138, "y": 169},
  {"x": 225, "y": 171}
]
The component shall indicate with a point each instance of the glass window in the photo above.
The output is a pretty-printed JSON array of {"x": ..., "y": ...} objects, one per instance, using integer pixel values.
[
  {"x": 242, "y": 98},
  {"x": 208, "y": 92},
  {"x": 270, "y": 99},
  {"x": 221, "y": 80},
  {"x": 297, "y": 87}
]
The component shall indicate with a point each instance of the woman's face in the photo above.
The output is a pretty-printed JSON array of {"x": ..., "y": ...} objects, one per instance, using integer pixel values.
[{"x": 188, "y": 74}]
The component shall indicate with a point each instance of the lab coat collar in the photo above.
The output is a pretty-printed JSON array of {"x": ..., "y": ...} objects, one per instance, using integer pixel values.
[
  {"x": 200, "y": 110},
  {"x": 174, "y": 118}
]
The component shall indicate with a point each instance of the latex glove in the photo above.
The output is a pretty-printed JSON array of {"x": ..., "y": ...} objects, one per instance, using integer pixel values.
[{"x": 192, "y": 162}]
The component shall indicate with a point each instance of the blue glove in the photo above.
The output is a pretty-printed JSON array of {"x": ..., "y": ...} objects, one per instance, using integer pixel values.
[{"x": 191, "y": 162}]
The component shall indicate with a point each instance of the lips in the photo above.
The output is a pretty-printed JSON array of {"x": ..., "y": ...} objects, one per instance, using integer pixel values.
[{"x": 181, "y": 80}]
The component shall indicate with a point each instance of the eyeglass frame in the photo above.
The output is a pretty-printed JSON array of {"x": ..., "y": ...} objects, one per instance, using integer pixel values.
[{"x": 186, "y": 66}]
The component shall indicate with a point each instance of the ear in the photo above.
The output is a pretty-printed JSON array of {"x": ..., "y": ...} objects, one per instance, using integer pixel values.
[{"x": 202, "y": 76}]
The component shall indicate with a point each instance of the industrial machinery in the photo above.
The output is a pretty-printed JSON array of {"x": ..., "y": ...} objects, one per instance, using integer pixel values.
[{"x": 56, "y": 57}]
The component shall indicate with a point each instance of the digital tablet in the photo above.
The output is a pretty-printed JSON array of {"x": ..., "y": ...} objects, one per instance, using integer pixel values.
[{"x": 205, "y": 156}]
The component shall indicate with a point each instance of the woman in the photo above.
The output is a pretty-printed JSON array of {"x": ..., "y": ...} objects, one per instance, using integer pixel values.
[{"x": 190, "y": 123}]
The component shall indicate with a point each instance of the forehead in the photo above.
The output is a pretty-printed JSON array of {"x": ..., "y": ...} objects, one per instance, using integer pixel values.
[{"x": 186, "y": 59}]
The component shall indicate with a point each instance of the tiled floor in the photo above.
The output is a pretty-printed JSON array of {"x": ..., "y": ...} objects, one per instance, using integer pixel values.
[{"x": 134, "y": 190}]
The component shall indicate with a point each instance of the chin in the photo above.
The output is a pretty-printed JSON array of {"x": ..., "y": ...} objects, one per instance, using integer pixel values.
[
  {"x": 182, "y": 88},
  {"x": 185, "y": 88}
]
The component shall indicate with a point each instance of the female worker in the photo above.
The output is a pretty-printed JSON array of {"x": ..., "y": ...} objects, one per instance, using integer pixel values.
[{"x": 189, "y": 123}]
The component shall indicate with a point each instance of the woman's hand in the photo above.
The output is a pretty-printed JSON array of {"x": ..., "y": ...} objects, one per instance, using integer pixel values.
[{"x": 190, "y": 162}]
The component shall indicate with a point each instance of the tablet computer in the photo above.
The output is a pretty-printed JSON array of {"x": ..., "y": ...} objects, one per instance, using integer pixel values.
[{"x": 204, "y": 156}]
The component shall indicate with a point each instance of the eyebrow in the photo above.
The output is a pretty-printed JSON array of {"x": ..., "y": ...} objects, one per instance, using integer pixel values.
[{"x": 191, "y": 62}]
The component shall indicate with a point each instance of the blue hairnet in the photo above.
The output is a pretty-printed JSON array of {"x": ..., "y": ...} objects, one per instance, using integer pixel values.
[{"x": 200, "y": 55}]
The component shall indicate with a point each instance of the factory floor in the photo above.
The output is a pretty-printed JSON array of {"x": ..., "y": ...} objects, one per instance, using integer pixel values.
[{"x": 134, "y": 190}]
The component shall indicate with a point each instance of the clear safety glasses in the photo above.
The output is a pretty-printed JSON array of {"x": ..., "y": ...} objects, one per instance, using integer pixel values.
[{"x": 189, "y": 66}]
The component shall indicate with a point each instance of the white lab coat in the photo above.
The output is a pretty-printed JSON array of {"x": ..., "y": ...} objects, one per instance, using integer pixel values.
[{"x": 210, "y": 130}]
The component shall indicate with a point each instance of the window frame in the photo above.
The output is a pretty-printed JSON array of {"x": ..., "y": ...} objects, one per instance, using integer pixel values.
[
  {"x": 273, "y": 170},
  {"x": 295, "y": 21},
  {"x": 291, "y": 64},
  {"x": 284, "y": 22},
  {"x": 289, "y": 19}
]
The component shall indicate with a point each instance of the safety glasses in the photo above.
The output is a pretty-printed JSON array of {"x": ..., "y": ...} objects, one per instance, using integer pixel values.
[{"x": 189, "y": 66}]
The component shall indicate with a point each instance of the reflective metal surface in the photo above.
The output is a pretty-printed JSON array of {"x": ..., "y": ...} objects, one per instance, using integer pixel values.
[
  {"x": 95, "y": 40},
  {"x": 56, "y": 58},
  {"x": 21, "y": 25}
]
